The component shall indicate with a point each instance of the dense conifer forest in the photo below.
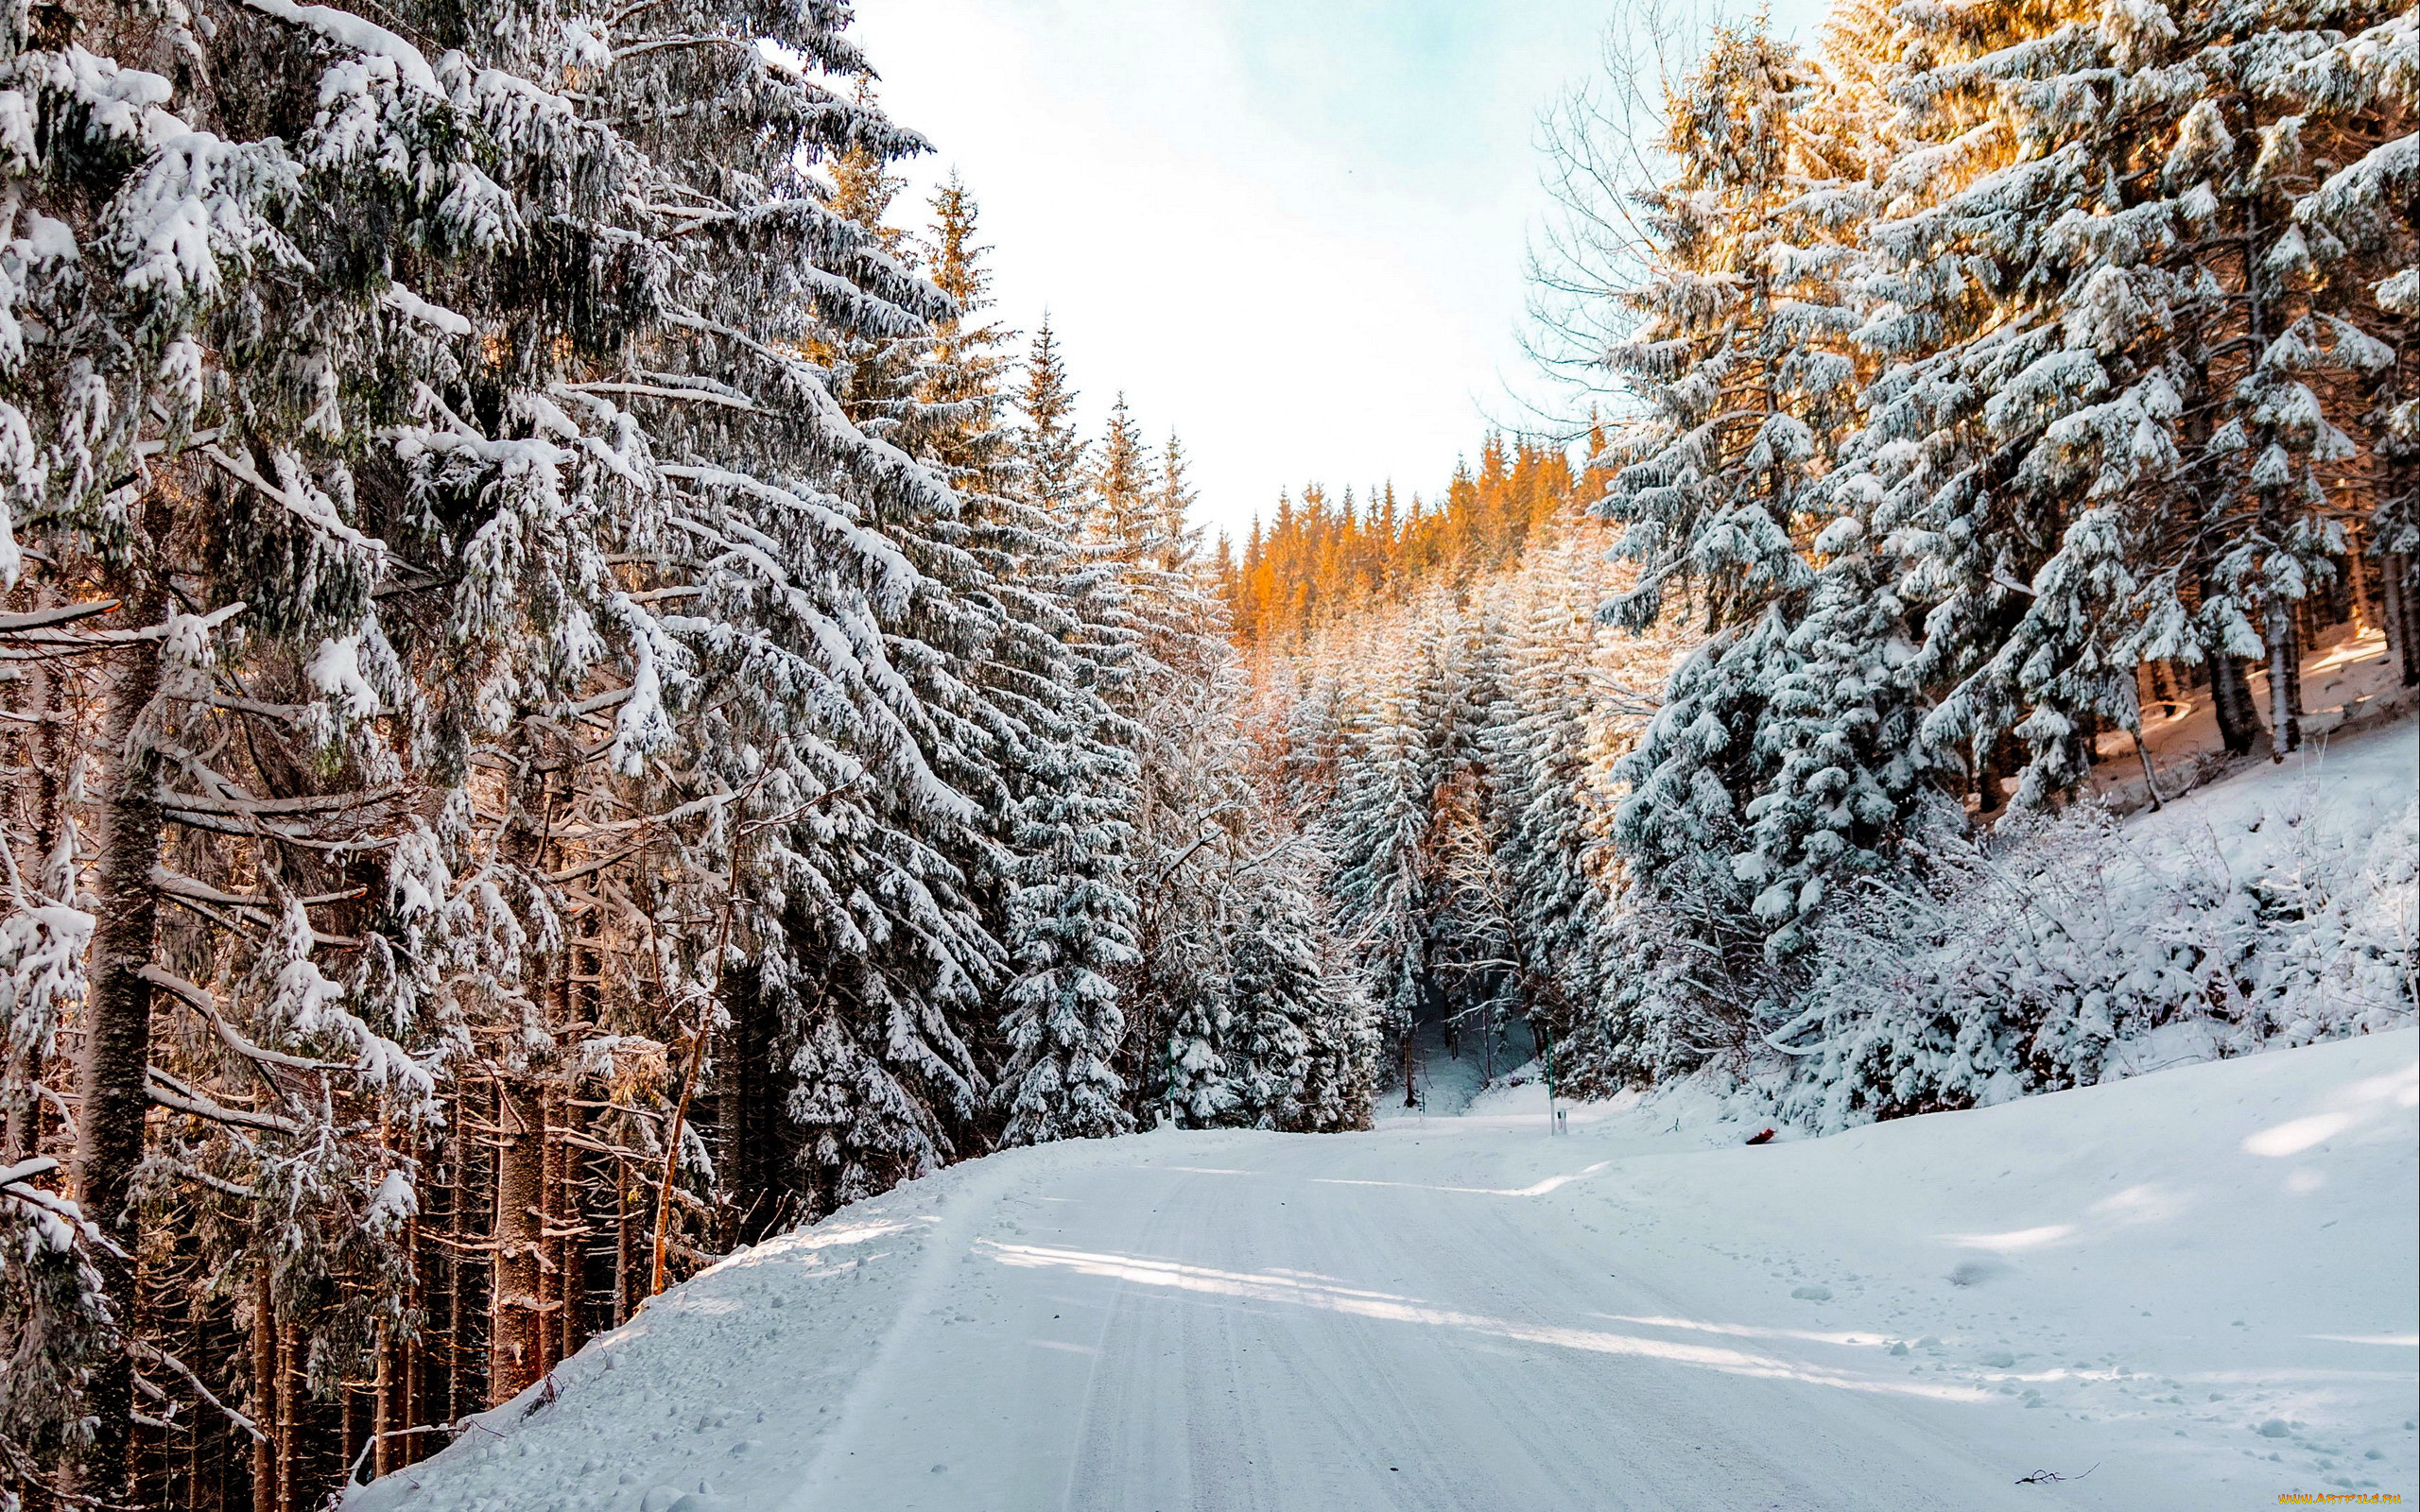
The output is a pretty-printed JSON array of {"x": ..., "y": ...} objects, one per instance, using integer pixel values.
[{"x": 573, "y": 699}]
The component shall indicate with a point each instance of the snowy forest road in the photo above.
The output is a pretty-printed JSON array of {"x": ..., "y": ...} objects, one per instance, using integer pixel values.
[
  {"x": 1351, "y": 1324},
  {"x": 2190, "y": 1289}
]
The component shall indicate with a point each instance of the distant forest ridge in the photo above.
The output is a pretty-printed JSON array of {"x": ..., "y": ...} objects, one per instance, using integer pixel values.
[{"x": 1325, "y": 554}]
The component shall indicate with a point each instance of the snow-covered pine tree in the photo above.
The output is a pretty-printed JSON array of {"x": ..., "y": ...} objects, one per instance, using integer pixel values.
[
  {"x": 1727, "y": 362},
  {"x": 1072, "y": 924},
  {"x": 1340, "y": 1073},
  {"x": 1126, "y": 510},
  {"x": 1194, "y": 807},
  {"x": 2359, "y": 227},
  {"x": 1179, "y": 537},
  {"x": 1276, "y": 981},
  {"x": 2290, "y": 96},
  {"x": 901, "y": 1086},
  {"x": 1055, "y": 454},
  {"x": 1302, "y": 1046},
  {"x": 2007, "y": 122},
  {"x": 222, "y": 560},
  {"x": 1384, "y": 881},
  {"x": 1162, "y": 668},
  {"x": 1475, "y": 926},
  {"x": 1553, "y": 823},
  {"x": 1743, "y": 362},
  {"x": 483, "y": 389},
  {"x": 1072, "y": 914}
]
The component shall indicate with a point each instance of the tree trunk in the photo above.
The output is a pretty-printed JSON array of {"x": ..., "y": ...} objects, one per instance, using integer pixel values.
[
  {"x": 564, "y": 1229},
  {"x": 749, "y": 1113},
  {"x": 2402, "y": 614},
  {"x": 266, "y": 1449},
  {"x": 2166, "y": 690},
  {"x": 2230, "y": 689},
  {"x": 2231, "y": 699},
  {"x": 117, "y": 1052},
  {"x": 516, "y": 1302},
  {"x": 1991, "y": 769},
  {"x": 289, "y": 1433},
  {"x": 2365, "y": 617},
  {"x": 2286, "y": 731}
]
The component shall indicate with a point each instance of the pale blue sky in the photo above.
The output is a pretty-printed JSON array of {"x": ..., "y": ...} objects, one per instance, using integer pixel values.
[{"x": 1290, "y": 228}]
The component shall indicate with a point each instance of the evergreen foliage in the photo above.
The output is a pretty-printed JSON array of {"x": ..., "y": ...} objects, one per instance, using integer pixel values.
[{"x": 569, "y": 708}]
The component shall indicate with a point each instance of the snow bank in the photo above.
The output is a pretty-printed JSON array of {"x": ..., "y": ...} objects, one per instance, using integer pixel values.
[
  {"x": 2278, "y": 908},
  {"x": 2201, "y": 1281}
]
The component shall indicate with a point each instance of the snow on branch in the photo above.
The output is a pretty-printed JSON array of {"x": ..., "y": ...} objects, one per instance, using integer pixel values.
[{"x": 349, "y": 32}]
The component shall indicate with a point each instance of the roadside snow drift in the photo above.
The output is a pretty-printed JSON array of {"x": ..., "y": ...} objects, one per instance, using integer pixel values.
[{"x": 2189, "y": 1290}]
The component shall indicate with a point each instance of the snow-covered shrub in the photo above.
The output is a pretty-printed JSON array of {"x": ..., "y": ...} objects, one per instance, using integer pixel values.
[{"x": 2046, "y": 956}]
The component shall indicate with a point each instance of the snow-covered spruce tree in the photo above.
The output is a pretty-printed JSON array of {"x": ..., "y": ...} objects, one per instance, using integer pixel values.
[
  {"x": 1193, "y": 823},
  {"x": 1177, "y": 695},
  {"x": 760, "y": 579},
  {"x": 1072, "y": 924},
  {"x": 223, "y": 340},
  {"x": 1983, "y": 426},
  {"x": 1340, "y": 1074},
  {"x": 1303, "y": 1050},
  {"x": 1476, "y": 952},
  {"x": 1318, "y": 721},
  {"x": 1688, "y": 960},
  {"x": 1190, "y": 811},
  {"x": 1056, "y": 457},
  {"x": 1550, "y": 861},
  {"x": 1265, "y": 1024},
  {"x": 2105, "y": 341},
  {"x": 1072, "y": 914},
  {"x": 902, "y": 1080},
  {"x": 1379, "y": 833},
  {"x": 1744, "y": 363},
  {"x": 486, "y": 386},
  {"x": 2360, "y": 228},
  {"x": 1276, "y": 980},
  {"x": 2294, "y": 94},
  {"x": 1708, "y": 479},
  {"x": 1025, "y": 513}
]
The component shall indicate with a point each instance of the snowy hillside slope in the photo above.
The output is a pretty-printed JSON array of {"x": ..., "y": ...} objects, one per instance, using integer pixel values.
[
  {"x": 2195, "y": 1285},
  {"x": 2367, "y": 779},
  {"x": 2349, "y": 687}
]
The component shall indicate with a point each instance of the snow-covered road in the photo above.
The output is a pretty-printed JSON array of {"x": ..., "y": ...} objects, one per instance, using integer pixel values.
[
  {"x": 2199, "y": 1281},
  {"x": 1372, "y": 1326}
]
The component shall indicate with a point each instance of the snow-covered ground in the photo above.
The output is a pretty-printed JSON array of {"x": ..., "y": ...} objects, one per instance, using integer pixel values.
[
  {"x": 2189, "y": 1290},
  {"x": 2366, "y": 779},
  {"x": 2352, "y": 684}
]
